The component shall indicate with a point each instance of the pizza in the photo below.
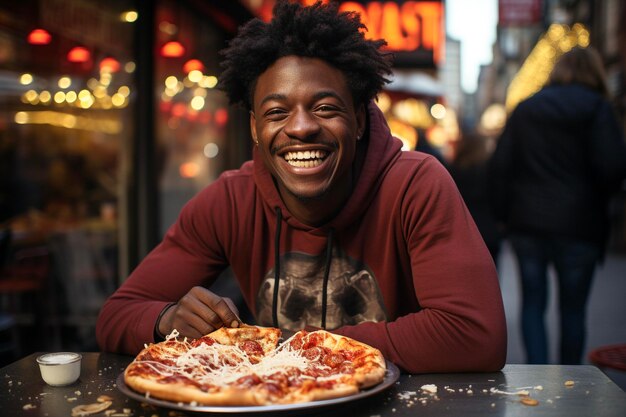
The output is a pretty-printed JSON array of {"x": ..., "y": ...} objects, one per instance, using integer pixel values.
[{"x": 246, "y": 366}]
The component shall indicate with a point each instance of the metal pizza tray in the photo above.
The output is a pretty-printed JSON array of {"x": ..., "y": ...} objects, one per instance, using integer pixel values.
[{"x": 391, "y": 376}]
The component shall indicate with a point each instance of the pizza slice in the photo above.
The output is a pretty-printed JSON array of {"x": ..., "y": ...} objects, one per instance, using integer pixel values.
[
  {"x": 368, "y": 363},
  {"x": 256, "y": 341},
  {"x": 341, "y": 356}
]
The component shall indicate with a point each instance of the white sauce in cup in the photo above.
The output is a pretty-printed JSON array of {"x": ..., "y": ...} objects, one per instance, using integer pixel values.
[{"x": 58, "y": 369}]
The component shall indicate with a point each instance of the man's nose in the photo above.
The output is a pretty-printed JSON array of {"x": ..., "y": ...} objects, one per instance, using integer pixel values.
[{"x": 302, "y": 125}]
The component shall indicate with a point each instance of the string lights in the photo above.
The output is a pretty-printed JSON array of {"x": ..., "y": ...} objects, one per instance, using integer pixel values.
[{"x": 535, "y": 70}]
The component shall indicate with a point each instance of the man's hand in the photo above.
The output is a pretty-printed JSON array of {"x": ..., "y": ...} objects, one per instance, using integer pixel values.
[{"x": 199, "y": 312}]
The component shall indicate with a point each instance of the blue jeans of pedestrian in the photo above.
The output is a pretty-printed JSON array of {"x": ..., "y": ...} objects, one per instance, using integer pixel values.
[{"x": 574, "y": 262}]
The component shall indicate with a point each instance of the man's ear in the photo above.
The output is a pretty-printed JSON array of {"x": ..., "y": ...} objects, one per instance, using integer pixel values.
[{"x": 253, "y": 128}]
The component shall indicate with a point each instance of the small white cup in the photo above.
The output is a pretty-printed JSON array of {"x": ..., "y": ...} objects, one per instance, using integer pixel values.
[{"x": 61, "y": 368}]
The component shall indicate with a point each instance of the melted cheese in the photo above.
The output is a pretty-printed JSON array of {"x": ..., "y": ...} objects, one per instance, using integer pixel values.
[{"x": 221, "y": 365}]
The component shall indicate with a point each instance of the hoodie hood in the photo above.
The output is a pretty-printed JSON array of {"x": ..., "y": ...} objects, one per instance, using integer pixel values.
[{"x": 382, "y": 150}]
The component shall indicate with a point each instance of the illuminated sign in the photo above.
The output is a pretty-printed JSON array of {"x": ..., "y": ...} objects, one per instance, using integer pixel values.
[{"x": 414, "y": 30}]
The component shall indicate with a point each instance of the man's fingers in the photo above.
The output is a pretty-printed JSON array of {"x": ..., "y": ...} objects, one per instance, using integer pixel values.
[
  {"x": 188, "y": 323},
  {"x": 235, "y": 310},
  {"x": 201, "y": 325},
  {"x": 227, "y": 312},
  {"x": 217, "y": 311}
]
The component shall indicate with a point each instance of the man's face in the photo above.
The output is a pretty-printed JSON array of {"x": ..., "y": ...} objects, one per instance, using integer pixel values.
[{"x": 306, "y": 127}]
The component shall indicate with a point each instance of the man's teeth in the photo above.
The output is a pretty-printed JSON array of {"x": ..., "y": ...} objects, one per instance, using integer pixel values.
[{"x": 306, "y": 159}]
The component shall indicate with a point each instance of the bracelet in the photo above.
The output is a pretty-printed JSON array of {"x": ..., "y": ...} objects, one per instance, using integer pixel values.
[{"x": 157, "y": 334}]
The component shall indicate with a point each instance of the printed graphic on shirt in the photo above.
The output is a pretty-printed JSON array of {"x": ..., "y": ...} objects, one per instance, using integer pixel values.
[{"x": 353, "y": 294}]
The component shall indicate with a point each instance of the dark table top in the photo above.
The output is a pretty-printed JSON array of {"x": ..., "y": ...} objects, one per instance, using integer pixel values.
[{"x": 24, "y": 393}]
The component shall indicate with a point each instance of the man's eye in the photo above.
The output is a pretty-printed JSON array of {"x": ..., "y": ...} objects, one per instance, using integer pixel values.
[
  {"x": 275, "y": 113},
  {"x": 326, "y": 109}
]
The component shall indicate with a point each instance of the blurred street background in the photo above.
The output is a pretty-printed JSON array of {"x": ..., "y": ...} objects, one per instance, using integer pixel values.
[{"x": 110, "y": 122}]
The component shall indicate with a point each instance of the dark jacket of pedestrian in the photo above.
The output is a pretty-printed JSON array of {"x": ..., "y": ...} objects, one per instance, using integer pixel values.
[{"x": 560, "y": 157}]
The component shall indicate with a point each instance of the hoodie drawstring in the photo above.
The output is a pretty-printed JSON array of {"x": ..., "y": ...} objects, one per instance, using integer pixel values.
[
  {"x": 329, "y": 254},
  {"x": 279, "y": 220}
]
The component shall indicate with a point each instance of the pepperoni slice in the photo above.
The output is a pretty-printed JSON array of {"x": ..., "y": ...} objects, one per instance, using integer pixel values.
[
  {"x": 333, "y": 360},
  {"x": 314, "y": 353},
  {"x": 204, "y": 339},
  {"x": 251, "y": 347}
]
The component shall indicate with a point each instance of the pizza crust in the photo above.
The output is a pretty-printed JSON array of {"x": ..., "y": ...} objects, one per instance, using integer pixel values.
[
  {"x": 179, "y": 392},
  {"x": 318, "y": 394}
]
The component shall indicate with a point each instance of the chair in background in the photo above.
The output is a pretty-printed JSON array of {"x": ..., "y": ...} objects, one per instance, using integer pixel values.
[{"x": 611, "y": 357}]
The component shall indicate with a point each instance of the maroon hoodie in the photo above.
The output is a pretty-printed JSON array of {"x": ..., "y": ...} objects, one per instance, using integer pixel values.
[{"x": 401, "y": 267}]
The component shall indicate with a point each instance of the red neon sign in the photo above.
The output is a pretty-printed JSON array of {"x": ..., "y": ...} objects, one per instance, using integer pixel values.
[
  {"x": 414, "y": 30},
  {"x": 406, "y": 26}
]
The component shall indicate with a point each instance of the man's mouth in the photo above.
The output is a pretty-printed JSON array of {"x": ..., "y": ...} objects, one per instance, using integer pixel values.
[{"x": 305, "y": 159}]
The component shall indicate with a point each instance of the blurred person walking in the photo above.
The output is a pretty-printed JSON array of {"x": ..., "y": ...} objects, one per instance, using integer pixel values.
[
  {"x": 561, "y": 156},
  {"x": 469, "y": 171}
]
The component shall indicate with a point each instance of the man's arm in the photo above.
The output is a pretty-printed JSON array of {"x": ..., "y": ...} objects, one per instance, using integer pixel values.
[
  {"x": 461, "y": 326},
  {"x": 189, "y": 258}
]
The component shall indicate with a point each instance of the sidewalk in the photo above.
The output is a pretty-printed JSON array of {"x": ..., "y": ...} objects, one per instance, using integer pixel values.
[{"x": 606, "y": 309}]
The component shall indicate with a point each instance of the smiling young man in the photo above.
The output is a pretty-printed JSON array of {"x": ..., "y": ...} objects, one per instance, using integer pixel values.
[{"x": 330, "y": 225}]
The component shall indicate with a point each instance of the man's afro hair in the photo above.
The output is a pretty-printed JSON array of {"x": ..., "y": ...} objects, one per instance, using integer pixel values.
[{"x": 317, "y": 31}]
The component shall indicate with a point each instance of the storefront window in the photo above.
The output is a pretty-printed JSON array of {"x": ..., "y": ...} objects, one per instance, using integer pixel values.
[
  {"x": 82, "y": 151},
  {"x": 66, "y": 94},
  {"x": 199, "y": 136}
]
